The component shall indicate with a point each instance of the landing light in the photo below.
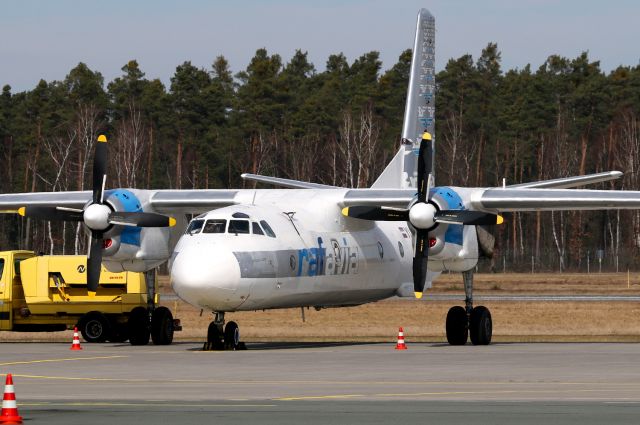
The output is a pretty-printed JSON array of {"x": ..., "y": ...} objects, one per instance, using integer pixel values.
[{"x": 432, "y": 242}]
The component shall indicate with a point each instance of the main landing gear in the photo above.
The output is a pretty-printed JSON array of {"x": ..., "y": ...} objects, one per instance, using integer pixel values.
[
  {"x": 221, "y": 337},
  {"x": 469, "y": 322}
]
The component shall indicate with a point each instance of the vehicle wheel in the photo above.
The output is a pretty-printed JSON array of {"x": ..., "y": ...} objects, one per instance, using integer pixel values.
[
  {"x": 119, "y": 331},
  {"x": 139, "y": 326},
  {"x": 214, "y": 337},
  {"x": 162, "y": 326},
  {"x": 480, "y": 326},
  {"x": 95, "y": 327},
  {"x": 457, "y": 329},
  {"x": 231, "y": 336}
]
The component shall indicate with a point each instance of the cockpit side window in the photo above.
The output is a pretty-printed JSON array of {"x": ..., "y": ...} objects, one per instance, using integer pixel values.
[
  {"x": 238, "y": 226},
  {"x": 256, "y": 228},
  {"x": 215, "y": 226},
  {"x": 194, "y": 227},
  {"x": 267, "y": 229}
]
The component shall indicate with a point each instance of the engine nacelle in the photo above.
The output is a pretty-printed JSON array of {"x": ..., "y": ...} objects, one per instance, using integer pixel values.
[
  {"x": 452, "y": 247},
  {"x": 131, "y": 248}
]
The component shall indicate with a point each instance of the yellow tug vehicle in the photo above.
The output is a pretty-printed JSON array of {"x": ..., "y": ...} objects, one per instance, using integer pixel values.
[{"x": 49, "y": 293}]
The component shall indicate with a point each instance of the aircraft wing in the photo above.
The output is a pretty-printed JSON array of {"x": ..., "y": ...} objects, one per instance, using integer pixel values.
[
  {"x": 193, "y": 201},
  {"x": 164, "y": 201},
  {"x": 569, "y": 182},
  {"x": 398, "y": 198},
  {"x": 508, "y": 199},
  {"x": 13, "y": 201},
  {"x": 277, "y": 181}
]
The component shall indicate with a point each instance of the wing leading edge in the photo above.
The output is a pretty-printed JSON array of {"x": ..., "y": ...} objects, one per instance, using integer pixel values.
[
  {"x": 569, "y": 182},
  {"x": 499, "y": 200}
]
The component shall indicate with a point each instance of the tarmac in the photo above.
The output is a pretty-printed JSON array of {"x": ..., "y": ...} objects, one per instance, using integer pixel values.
[{"x": 314, "y": 383}]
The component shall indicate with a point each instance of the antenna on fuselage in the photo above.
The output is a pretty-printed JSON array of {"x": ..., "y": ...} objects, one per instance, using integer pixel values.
[{"x": 290, "y": 215}]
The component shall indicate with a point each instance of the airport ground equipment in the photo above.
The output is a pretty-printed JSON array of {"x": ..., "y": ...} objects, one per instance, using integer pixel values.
[{"x": 49, "y": 293}]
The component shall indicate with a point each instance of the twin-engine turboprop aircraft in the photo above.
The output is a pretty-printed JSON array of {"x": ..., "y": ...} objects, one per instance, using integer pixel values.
[{"x": 312, "y": 245}]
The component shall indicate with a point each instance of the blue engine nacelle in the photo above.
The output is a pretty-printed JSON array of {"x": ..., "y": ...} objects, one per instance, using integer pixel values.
[{"x": 135, "y": 248}]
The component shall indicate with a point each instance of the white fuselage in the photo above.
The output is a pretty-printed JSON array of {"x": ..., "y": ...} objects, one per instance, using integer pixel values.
[{"x": 317, "y": 257}]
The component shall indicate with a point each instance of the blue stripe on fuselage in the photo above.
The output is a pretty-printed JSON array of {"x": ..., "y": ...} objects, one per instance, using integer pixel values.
[{"x": 454, "y": 202}]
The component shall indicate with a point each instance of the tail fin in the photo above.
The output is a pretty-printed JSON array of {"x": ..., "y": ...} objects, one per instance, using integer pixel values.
[{"x": 420, "y": 109}]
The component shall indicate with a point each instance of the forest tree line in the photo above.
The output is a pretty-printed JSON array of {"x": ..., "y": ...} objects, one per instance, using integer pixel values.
[{"x": 339, "y": 126}]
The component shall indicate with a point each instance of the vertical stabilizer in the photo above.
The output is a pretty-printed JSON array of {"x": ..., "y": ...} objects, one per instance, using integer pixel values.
[{"x": 420, "y": 109}]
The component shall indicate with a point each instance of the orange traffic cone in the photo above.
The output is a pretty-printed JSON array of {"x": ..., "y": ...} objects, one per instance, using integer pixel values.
[
  {"x": 9, "y": 414},
  {"x": 76, "y": 340},
  {"x": 401, "y": 345}
]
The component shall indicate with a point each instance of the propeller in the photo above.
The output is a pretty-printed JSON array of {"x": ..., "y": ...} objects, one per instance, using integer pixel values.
[
  {"x": 97, "y": 216},
  {"x": 422, "y": 215}
]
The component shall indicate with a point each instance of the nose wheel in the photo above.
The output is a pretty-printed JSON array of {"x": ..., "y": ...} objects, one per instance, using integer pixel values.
[
  {"x": 223, "y": 337},
  {"x": 469, "y": 322}
]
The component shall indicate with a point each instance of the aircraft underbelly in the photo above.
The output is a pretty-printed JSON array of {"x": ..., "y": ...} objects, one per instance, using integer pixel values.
[{"x": 318, "y": 291}]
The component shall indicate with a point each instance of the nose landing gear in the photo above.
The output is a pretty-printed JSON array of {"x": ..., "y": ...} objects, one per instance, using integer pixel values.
[
  {"x": 221, "y": 337},
  {"x": 469, "y": 322}
]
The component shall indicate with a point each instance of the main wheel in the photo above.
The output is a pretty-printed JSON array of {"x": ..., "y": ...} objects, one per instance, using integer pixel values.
[
  {"x": 214, "y": 337},
  {"x": 457, "y": 329},
  {"x": 139, "y": 326},
  {"x": 231, "y": 336},
  {"x": 95, "y": 327},
  {"x": 162, "y": 326},
  {"x": 480, "y": 326},
  {"x": 119, "y": 331}
]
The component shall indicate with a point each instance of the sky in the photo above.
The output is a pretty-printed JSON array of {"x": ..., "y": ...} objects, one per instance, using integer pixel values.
[{"x": 46, "y": 39}]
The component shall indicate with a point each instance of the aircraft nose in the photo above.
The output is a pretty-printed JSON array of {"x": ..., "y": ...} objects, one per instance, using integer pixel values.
[{"x": 209, "y": 278}]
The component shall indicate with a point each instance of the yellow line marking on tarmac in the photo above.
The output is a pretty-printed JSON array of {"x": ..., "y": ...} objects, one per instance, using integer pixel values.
[
  {"x": 121, "y": 404},
  {"x": 80, "y": 378},
  {"x": 328, "y": 382},
  {"x": 61, "y": 360},
  {"x": 319, "y": 397},
  {"x": 442, "y": 393}
]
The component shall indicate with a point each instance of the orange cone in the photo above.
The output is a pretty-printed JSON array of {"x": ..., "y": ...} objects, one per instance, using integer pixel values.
[
  {"x": 76, "y": 340},
  {"x": 9, "y": 414},
  {"x": 401, "y": 345}
]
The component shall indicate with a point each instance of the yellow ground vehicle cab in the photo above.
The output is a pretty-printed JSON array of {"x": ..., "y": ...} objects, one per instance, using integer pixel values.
[{"x": 49, "y": 293}]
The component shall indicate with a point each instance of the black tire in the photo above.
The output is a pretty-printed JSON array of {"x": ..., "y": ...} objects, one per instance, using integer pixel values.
[
  {"x": 139, "y": 326},
  {"x": 231, "y": 336},
  {"x": 457, "y": 326},
  {"x": 214, "y": 337},
  {"x": 480, "y": 326},
  {"x": 119, "y": 331},
  {"x": 95, "y": 327},
  {"x": 162, "y": 326}
]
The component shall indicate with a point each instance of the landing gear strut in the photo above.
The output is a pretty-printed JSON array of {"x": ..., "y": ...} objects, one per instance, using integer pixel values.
[
  {"x": 221, "y": 337},
  {"x": 472, "y": 322}
]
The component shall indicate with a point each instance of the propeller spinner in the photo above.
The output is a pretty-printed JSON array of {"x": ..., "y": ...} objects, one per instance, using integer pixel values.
[
  {"x": 97, "y": 216},
  {"x": 422, "y": 215}
]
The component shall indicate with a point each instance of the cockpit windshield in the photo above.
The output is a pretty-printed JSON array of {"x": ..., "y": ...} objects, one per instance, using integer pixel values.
[
  {"x": 215, "y": 226},
  {"x": 238, "y": 226},
  {"x": 267, "y": 229},
  {"x": 255, "y": 227},
  {"x": 219, "y": 225},
  {"x": 194, "y": 227}
]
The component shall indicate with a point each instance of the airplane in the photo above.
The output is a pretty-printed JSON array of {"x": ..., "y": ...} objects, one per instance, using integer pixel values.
[{"x": 315, "y": 245}]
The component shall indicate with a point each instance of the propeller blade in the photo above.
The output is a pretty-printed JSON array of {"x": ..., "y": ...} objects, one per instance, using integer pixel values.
[
  {"x": 141, "y": 219},
  {"x": 420, "y": 261},
  {"x": 376, "y": 213},
  {"x": 476, "y": 218},
  {"x": 94, "y": 261},
  {"x": 425, "y": 162},
  {"x": 51, "y": 213},
  {"x": 99, "y": 169}
]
